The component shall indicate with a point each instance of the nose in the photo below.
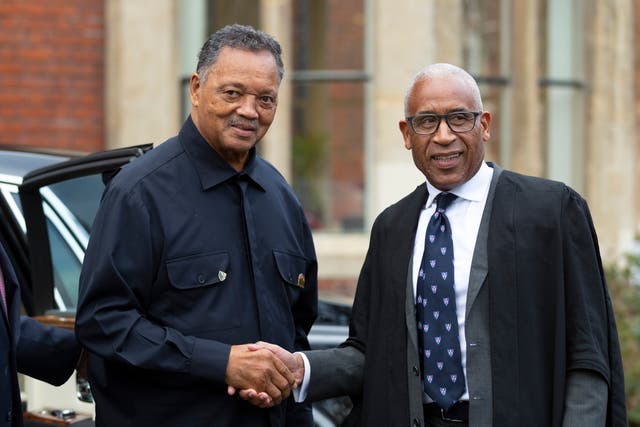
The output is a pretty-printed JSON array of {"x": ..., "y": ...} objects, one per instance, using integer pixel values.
[
  {"x": 443, "y": 135},
  {"x": 247, "y": 107}
]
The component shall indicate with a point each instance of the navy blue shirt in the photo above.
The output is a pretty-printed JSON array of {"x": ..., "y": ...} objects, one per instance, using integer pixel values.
[{"x": 187, "y": 257}]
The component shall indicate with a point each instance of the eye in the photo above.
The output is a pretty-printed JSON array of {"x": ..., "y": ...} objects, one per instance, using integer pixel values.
[
  {"x": 460, "y": 118},
  {"x": 267, "y": 101},
  {"x": 231, "y": 94},
  {"x": 425, "y": 120}
]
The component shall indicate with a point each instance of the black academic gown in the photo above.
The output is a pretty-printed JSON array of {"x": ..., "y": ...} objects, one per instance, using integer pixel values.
[{"x": 550, "y": 311}]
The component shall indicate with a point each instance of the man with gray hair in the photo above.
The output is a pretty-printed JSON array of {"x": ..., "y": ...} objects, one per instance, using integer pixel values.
[
  {"x": 482, "y": 300},
  {"x": 200, "y": 247}
]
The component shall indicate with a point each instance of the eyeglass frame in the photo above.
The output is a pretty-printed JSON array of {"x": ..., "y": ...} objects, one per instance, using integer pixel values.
[{"x": 409, "y": 120}]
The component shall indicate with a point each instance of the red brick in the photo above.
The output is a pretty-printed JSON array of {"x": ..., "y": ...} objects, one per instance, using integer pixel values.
[{"x": 51, "y": 73}]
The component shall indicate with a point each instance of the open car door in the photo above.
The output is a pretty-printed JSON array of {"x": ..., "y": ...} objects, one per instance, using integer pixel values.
[{"x": 59, "y": 203}]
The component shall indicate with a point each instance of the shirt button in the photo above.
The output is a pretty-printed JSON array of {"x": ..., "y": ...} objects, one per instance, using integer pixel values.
[
  {"x": 416, "y": 371},
  {"x": 201, "y": 278}
]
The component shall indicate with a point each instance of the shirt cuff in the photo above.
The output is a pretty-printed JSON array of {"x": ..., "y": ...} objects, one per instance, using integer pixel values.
[
  {"x": 300, "y": 393},
  {"x": 209, "y": 360}
]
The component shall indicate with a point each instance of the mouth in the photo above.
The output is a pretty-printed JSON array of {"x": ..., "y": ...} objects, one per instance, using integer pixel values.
[
  {"x": 243, "y": 128},
  {"x": 247, "y": 127},
  {"x": 446, "y": 157}
]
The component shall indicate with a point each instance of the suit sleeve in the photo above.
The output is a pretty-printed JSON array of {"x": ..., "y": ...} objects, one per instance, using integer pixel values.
[
  {"x": 46, "y": 353},
  {"x": 115, "y": 285},
  {"x": 340, "y": 371},
  {"x": 585, "y": 403},
  {"x": 335, "y": 372}
]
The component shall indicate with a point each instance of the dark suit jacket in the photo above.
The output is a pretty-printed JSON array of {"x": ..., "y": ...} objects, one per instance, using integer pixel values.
[
  {"x": 549, "y": 308},
  {"x": 46, "y": 353}
]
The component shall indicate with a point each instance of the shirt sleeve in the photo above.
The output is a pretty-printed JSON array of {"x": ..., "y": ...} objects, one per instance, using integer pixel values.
[
  {"x": 117, "y": 277},
  {"x": 45, "y": 352},
  {"x": 300, "y": 393}
]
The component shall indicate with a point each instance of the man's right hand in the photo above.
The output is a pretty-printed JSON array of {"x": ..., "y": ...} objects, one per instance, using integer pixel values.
[
  {"x": 259, "y": 370},
  {"x": 292, "y": 361}
]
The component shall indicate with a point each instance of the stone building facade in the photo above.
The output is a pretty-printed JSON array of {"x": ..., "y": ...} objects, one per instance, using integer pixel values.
[{"x": 562, "y": 80}]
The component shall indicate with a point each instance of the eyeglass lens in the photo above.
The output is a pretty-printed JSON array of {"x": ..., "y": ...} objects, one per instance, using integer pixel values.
[{"x": 458, "y": 122}]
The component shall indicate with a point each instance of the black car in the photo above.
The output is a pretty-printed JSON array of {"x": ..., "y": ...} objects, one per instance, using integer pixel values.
[{"x": 47, "y": 204}]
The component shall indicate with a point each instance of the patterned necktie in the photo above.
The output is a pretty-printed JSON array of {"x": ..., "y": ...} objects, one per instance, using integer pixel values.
[{"x": 436, "y": 312}]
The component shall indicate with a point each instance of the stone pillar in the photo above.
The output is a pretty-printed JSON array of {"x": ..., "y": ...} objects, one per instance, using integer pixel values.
[
  {"x": 527, "y": 150},
  {"x": 275, "y": 19},
  {"x": 611, "y": 133},
  {"x": 142, "y": 86},
  {"x": 448, "y": 31},
  {"x": 403, "y": 42},
  {"x": 636, "y": 177}
]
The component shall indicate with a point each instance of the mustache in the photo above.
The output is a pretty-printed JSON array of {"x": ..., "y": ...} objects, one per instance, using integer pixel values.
[{"x": 243, "y": 123}]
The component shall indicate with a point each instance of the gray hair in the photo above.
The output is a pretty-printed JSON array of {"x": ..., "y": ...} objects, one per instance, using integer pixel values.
[
  {"x": 445, "y": 70},
  {"x": 237, "y": 36}
]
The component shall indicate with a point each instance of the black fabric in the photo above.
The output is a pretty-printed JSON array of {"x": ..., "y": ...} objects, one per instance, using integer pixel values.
[
  {"x": 188, "y": 257},
  {"x": 27, "y": 346},
  {"x": 550, "y": 310},
  {"x": 457, "y": 413}
]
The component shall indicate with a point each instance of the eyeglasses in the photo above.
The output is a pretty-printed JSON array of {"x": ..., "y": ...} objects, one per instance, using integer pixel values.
[{"x": 459, "y": 121}]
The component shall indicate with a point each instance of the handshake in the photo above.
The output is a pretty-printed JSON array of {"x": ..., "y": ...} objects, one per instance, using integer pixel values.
[{"x": 263, "y": 374}]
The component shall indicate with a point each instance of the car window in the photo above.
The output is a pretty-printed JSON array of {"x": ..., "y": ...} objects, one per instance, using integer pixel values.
[
  {"x": 66, "y": 269},
  {"x": 81, "y": 196},
  {"x": 70, "y": 207}
]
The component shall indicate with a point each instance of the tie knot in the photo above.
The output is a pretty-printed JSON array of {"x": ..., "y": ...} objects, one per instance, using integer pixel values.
[{"x": 443, "y": 200}]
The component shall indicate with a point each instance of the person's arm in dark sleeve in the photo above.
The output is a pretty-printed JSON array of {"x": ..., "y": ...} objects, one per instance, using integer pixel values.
[
  {"x": 592, "y": 377},
  {"x": 115, "y": 285},
  {"x": 46, "y": 353},
  {"x": 585, "y": 399},
  {"x": 340, "y": 371}
]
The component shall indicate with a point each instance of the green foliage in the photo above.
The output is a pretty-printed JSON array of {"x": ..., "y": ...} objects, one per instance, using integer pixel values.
[
  {"x": 624, "y": 287},
  {"x": 308, "y": 161},
  {"x": 308, "y": 155}
]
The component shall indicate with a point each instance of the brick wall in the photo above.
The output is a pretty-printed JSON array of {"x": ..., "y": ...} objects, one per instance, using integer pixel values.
[{"x": 51, "y": 73}]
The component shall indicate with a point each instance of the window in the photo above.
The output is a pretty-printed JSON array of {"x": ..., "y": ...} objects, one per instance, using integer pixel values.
[
  {"x": 70, "y": 208},
  {"x": 486, "y": 58},
  {"x": 328, "y": 98}
]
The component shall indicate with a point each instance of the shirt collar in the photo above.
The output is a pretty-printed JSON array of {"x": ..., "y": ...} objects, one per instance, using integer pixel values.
[
  {"x": 472, "y": 190},
  {"x": 210, "y": 167}
]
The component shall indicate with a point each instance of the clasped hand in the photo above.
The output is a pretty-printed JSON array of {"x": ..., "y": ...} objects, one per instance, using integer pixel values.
[{"x": 263, "y": 374}]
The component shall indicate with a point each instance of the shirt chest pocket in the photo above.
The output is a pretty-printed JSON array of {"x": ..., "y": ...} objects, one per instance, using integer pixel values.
[
  {"x": 198, "y": 271},
  {"x": 292, "y": 268}
]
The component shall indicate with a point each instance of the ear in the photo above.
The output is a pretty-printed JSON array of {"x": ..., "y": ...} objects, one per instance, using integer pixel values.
[
  {"x": 194, "y": 89},
  {"x": 405, "y": 129},
  {"x": 485, "y": 125}
]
